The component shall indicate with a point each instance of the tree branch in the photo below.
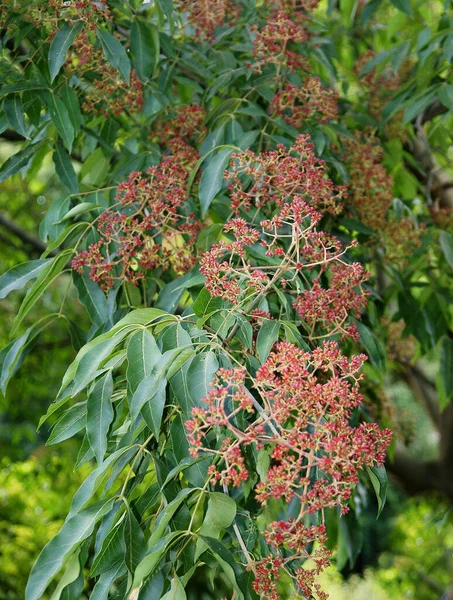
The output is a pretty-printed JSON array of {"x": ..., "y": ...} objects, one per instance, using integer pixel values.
[{"x": 24, "y": 236}]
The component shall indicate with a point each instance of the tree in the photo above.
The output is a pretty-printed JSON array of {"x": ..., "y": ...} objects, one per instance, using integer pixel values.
[{"x": 256, "y": 195}]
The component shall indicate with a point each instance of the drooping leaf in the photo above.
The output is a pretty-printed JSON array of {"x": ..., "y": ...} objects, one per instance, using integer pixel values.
[
  {"x": 46, "y": 276},
  {"x": 134, "y": 540},
  {"x": 60, "y": 45},
  {"x": 57, "y": 551},
  {"x": 145, "y": 47},
  {"x": 267, "y": 336},
  {"x": 61, "y": 119},
  {"x": 10, "y": 357},
  {"x": 373, "y": 347},
  {"x": 115, "y": 53},
  {"x": 70, "y": 423},
  {"x": 12, "y": 105},
  {"x": 446, "y": 366},
  {"x": 105, "y": 581},
  {"x": 220, "y": 514},
  {"x": 100, "y": 415},
  {"x": 17, "y": 277},
  {"x": 176, "y": 591},
  {"x": 111, "y": 552},
  {"x": 378, "y": 477},
  {"x": 15, "y": 163},
  {"x": 92, "y": 298},
  {"x": 64, "y": 169},
  {"x": 143, "y": 355},
  {"x": 212, "y": 179},
  {"x": 446, "y": 243}
]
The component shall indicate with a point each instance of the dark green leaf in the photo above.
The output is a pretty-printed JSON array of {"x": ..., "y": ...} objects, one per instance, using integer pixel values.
[
  {"x": 220, "y": 514},
  {"x": 205, "y": 304},
  {"x": 72, "y": 421},
  {"x": 145, "y": 47},
  {"x": 211, "y": 181},
  {"x": 105, "y": 581},
  {"x": 134, "y": 540},
  {"x": 15, "y": 163},
  {"x": 14, "y": 110},
  {"x": 115, "y": 53},
  {"x": 17, "y": 277},
  {"x": 373, "y": 347},
  {"x": 267, "y": 336},
  {"x": 92, "y": 298},
  {"x": 100, "y": 415},
  {"x": 142, "y": 357},
  {"x": 50, "y": 272},
  {"x": 61, "y": 119},
  {"x": 378, "y": 477},
  {"x": 60, "y": 45},
  {"x": 64, "y": 169},
  {"x": 446, "y": 366},
  {"x": 10, "y": 358}
]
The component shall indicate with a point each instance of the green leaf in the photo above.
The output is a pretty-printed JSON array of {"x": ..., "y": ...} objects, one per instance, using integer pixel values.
[
  {"x": 58, "y": 550},
  {"x": 446, "y": 365},
  {"x": 79, "y": 209},
  {"x": 17, "y": 277},
  {"x": 134, "y": 540},
  {"x": 46, "y": 276},
  {"x": 115, "y": 53},
  {"x": 205, "y": 304},
  {"x": 96, "y": 478},
  {"x": 14, "y": 110},
  {"x": 176, "y": 592},
  {"x": 220, "y": 515},
  {"x": 211, "y": 181},
  {"x": 378, "y": 477},
  {"x": 71, "y": 101},
  {"x": 267, "y": 336},
  {"x": 105, "y": 581},
  {"x": 191, "y": 383},
  {"x": 446, "y": 95},
  {"x": 15, "y": 163},
  {"x": 60, "y": 45},
  {"x": 143, "y": 355},
  {"x": 145, "y": 47},
  {"x": 263, "y": 463},
  {"x": 446, "y": 243},
  {"x": 228, "y": 564},
  {"x": 94, "y": 169},
  {"x": 100, "y": 415},
  {"x": 403, "y": 6},
  {"x": 64, "y": 169},
  {"x": 70, "y": 575},
  {"x": 153, "y": 557},
  {"x": 10, "y": 358},
  {"x": 373, "y": 347},
  {"x": 166, "y": 7},
  {"x": 60, "y": 118},
  {"x": 92, "y": 297},
  {"x": 72, "y": 421},
  {"x": 166, "y": 515},
  {"x": 151, "y": 396}
]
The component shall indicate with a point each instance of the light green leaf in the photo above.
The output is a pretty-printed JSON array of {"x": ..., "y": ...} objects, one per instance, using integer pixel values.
[
  {"x": 17, "y": 277},
  {"x": 64, "y": 169},
  {"x": 47, "y": 275},
  {"x": 14, "y": 110},
  {"x": 220, "y": 514},
  {"x": 176, "y": 592},
  {"x": 115, "y": 53},
  {"x": 60, "y": 45},
  {"x": 100, "y": 415},
  {"x": 58, "y": 550},
  {"x": 79, "y": 209},
  {"x": 94, "y": 169},
  {"x": 145, "y": 47},
  {"x": 211, "y": 181},
  {"x": 61, "y": 119},
  {"x": 267, "y": 336}
]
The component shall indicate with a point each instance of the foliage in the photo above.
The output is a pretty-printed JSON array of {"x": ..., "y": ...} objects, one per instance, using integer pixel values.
[{"x": 246, "y": 212}]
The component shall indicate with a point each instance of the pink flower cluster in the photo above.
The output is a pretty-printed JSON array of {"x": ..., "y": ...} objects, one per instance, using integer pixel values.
[
  {"x": 208, "y": 15},
  {"x": 152, "y": 232},
  {"x": 312, "y": 101},
  {"x": 298, "y": 412}
]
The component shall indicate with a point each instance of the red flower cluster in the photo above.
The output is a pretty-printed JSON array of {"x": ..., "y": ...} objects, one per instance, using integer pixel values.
[
  {"x": 330, "y": 308},
  {"x": 187, "y": 125},
  {"x": 298, "y": 412},
  {"x": 371, "y": 194},
  {"x": 298, "y": 10},
  {"x": 296, "y": 105},
  {"x": 50, "y": 14},
  {"x": 208, "y": 15},
  {"x": 152, "y": 232},
  {"x": 278, "y": 175},
  {"x": 442, "y": 216},
  {"x": 273, "y": 42}
]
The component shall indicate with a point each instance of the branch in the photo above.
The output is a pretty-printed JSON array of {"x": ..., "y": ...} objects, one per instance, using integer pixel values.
[{"x": 24, "y": 236}]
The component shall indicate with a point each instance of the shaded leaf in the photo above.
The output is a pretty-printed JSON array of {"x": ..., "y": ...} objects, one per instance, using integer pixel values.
[
  {"x": 14, "y": 110},
  {"x": 17, "y": 277},
  {"x": 378, "y": 477},
  {"x": 61, "y": 119},
  {"x": 145, "y": 47},
  {"x": 267, "y": 336},
  {"x": 211, "y": 181},
  {"x": 70, "y": 423},
  {"x": 100, "y": 415},
  {"x": 115, "y": 53},
  {"x": 60, "y": 45},
  {"x": 64, "y": 169},
  {"x": 15, "y": 163}
]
